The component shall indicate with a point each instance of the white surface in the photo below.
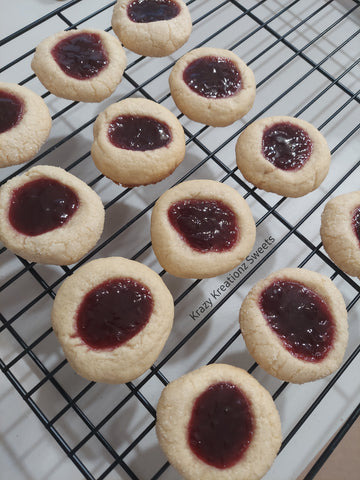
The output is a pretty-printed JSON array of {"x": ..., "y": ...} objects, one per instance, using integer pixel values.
[{"x": 27, "y": 451}]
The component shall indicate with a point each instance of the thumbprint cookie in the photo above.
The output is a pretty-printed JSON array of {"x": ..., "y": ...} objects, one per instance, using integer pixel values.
[
  {"x": 340, "y": 232},
  {"x": 25, "y": 124},
  {"x": 137, "y": 142},
  {"x": 153, "y": 28},
  {"x": 212, "y": 86},
  {"x": 83, "y": 65},
  {"x": 201, "y": 228},
  {"x": 112, "y": 318},
  {"x": 218, "y": 423},
  {"x": 294, "y": 323},
  {"x": 284, "y": 155},
  {"x": 48, "y": 215}
]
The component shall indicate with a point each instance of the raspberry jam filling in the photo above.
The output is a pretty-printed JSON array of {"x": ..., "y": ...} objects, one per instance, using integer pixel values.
[
  {"x": 286, "y": 146},
  {"x": 146, "y": 11},
  {"x": 300, "y": 318},
  {"x": 138, "y": 133},
  {"x": 11, "y": 110},
  {"x": 356, "y": 222},
  {"x": 213, "y": 77},
  {"x": 81, "y": 55},
  {"x": 113, "y": 312},
  {"x": 205, "y": 225},
  {"x": 41, "y": 205},
  {"x": 221, "y": 426}
]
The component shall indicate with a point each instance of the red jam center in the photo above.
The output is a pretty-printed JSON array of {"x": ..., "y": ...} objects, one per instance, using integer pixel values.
[
  {"x": 205, "y": 225},
  {"x": 113, "y": 312},
  {"x": 138, "y": 133},
  {"x": 221, "y": 425},
  {"x": 286, "y": 146},
  {"x": 81, "y": 55},
  {"x": 11, "y": 110},
  {"x": 356, "y": 222},
  {"x": 213, "y": 77},
  {"x": 146, "y": 11},
  {"x": 41, "y": 205},
  {"x": 301, "y": 319}
]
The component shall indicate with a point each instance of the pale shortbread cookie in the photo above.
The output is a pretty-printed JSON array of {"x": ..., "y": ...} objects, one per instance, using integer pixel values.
[
  {"x": 130, "y": 167},
  {"x": 174, "y": 412},
  {"x": 154, "y": 39},
  {"x": 93, "y": 89},
  {"x": 21, "y": 142},
  {"x": 338, "y": 234},
  {"x": 176, "y": 256},
  {"x": 266, "y": 347},
  {"x": 132, "y": 358},
  {"x": 217, "y": 112},
  {"x": 66, "y": 244},
  {"x": 263, "y": 174}
]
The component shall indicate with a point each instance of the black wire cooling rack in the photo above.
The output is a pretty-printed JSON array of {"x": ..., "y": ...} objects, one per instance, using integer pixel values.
[{"x": 305, "y": 58}]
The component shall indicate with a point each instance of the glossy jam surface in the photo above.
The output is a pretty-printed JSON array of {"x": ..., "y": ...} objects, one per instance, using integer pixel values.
[
  {"x": 301, "y": 319},
  {"x": 114, "y": 312},
  {"x": 213, "y": 77},
  {"x": 138, "y": 133},
  {"x": 41, "y": 205},
  {"x": 81, "y": 55},
  {"x": 146, "y": 11},
  {"x": 11, "y": 110},
  {"x": 356, "y": 222},
  {"x": 205, "y": 225},
  {"x": 221, "y": 425},
  {"x": 286, "y": 146}
]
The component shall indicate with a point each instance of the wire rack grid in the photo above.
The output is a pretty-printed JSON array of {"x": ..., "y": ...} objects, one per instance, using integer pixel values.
[{"x": 305, "y": 58}]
